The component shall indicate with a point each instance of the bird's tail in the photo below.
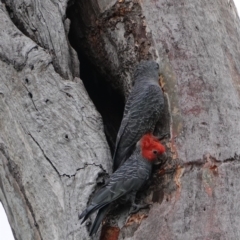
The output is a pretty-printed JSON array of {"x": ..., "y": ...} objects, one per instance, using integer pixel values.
[
  {"x": 100, "y": 216},
  {"x": 86, "y": 213},
  {"x": 89, "y": 210}
]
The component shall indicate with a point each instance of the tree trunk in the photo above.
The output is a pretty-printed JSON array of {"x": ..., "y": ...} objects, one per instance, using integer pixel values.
[{"x": 53, "y": 150}]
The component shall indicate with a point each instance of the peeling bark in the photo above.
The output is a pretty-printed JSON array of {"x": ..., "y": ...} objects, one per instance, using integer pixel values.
[{"x": 53, "y": 149}]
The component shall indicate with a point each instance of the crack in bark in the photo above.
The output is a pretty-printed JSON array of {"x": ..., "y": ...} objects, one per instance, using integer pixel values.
[
  {"x": 14, "y": 170},
  {"x": 85, "y": 165},
  {"x": 26, "y": 56},
  {"x": 68, "y": 94},
  {"x": 31, "y": 96},
  {"x": 207, "y": 162},
  {"x": 46, "y": 157},
  {"x": 210, "y": 159},
  {"x": 19, "y": 66},
  {"x": 65, "y": 174}
]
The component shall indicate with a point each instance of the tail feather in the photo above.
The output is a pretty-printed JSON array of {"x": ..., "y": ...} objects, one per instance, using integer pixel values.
[
  {"x": 91, "y": 209},
  {"x": 100, "y": 216},
  {"x": 87, "y": 212}
]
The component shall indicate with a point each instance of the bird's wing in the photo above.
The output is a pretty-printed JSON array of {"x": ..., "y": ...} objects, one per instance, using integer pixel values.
[
  {"x": 141, "y": 114},
  {"x": 120, "y": 183},
  {"x": 100, "y": 216},
  {"x": 110, "y": 192},
  {"x": 127, "y": 179}
]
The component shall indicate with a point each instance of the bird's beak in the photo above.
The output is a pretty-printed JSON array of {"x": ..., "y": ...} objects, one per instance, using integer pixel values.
[
  {"x": 161, "y": 159},
  {"x": 138, "y": 143},
  {"x": 164, "y": 155}
]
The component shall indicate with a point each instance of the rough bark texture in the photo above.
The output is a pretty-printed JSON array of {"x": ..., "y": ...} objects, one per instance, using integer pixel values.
[{"x": 52, "y": 145}]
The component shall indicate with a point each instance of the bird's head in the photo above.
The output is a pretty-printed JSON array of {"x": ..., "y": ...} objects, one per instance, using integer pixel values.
[
  {"x": 151, "y": 147},
  {"x": 147, "y": 70}
]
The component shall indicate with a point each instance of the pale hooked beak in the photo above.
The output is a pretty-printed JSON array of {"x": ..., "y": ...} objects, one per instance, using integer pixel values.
[{"x": 138, "y": 143}]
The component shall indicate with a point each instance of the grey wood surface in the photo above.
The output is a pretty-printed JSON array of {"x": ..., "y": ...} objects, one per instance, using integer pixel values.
[{"x": 52, "y": 144}]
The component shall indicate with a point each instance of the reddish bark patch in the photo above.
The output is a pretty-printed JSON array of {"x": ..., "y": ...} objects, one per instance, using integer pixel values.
[
  {"x": 161, "y": 171},
  {"x": 173, "y": 148},
  {"x": 195, "y": 110},
  {"x": 193, "y": 95},
  {"x": 162, "y": 83},
  {"x": 135, "y": 218},
  {"x": 178, "y": 175},
  {"x": 211, "y": 164},
  {"x": 214, "y": 170},
  {"x": 109, "y": 233},
  {"x": 210, "y": 171}
]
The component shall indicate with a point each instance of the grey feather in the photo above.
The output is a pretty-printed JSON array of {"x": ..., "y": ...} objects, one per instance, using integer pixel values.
[
  {"x": 124, "y": 182},
  {"x": 142, "y": 111}
]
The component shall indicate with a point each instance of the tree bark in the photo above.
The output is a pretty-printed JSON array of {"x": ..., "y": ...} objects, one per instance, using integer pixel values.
[{"x": 52, "y": 145}]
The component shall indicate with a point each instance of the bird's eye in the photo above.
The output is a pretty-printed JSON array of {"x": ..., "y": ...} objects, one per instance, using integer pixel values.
[{"x": 155, "y": 152}]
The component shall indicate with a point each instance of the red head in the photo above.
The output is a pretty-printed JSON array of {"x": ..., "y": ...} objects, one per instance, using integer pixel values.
[{"x": 151, "y": 147}]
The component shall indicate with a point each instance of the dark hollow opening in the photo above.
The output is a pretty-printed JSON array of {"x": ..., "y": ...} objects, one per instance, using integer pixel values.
[{"x": 108, "y": 101}]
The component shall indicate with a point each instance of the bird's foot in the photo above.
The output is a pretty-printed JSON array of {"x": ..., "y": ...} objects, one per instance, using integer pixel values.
[
  {"x": 164, "y": 171},
  {"x": 163, "y": 135},
  {"x": 136, "y": 207}
]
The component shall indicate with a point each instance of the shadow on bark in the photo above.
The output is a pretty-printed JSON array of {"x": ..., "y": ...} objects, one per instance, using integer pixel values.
[{"x": 108, "y": 100}]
